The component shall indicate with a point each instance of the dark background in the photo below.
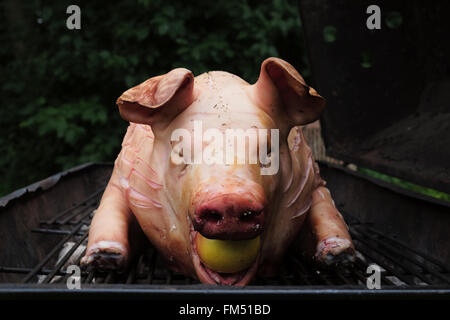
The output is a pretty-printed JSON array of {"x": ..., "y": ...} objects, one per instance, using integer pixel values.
[
  {"x": 59, "y": 86},
  {"x": 387, "y": 89}
]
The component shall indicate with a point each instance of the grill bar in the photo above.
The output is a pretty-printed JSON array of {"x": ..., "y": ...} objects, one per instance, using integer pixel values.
[
  {"x": 413, "y": 250},
  {"x": 28, "y": 270},
  {"x": 90, "y": 277},
  {"x": 366, "y": 251},
  {"x": 59, "y": 216},
  {"x": 86, "y": 212},
  {"x": 54, "y": 231},
  {"x": 408, "y": 257},
  {"x": 64, "y": 259},
  {"x": 55, "y": 250},
  {"x": 396, "y": 262},
  {"x": 363, "y": 278}
]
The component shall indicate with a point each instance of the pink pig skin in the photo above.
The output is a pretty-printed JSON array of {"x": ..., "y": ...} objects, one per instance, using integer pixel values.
[{"x": 171, "y": 202}]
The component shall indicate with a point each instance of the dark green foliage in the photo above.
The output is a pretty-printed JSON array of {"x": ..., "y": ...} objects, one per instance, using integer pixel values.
[{"x": 59, "y": 86}]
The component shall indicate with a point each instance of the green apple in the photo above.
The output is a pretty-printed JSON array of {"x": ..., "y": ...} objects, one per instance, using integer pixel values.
[{"x": 227, "y": 256}]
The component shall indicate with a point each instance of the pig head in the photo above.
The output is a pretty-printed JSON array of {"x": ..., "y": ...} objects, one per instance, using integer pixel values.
[{"x": 280, "y": 198}]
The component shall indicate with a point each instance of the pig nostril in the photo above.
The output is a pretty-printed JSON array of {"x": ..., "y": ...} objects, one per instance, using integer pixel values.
[
  {"x": 249, "y": 215},
  {"x": 213, "y": 216}
]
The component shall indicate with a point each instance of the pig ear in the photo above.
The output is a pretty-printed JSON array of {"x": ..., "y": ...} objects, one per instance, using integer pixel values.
[
  {"x": 279, "y": 80},
  {"x": 158, "y": 100}
]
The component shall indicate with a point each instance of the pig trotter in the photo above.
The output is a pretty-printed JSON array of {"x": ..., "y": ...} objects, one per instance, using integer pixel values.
[
  {"x": 324, "y": 238},
  {"x": 106, "y": 255},
  {"x": 334, "y": 252},
  {"x": 108, "y": 246}
]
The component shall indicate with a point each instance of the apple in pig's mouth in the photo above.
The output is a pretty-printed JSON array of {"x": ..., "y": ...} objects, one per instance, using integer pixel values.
[
  {"x": 225, "y": 262},
  {"x": 226, "y": 229}
]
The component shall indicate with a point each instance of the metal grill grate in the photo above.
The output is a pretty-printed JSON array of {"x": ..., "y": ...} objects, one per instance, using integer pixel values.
[{"x": 401, "y": 265}]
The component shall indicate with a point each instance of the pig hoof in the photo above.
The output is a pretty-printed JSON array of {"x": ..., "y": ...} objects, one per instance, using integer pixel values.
[
  {"x": 333, "y": 252},
  {"x": 106, "y": 255}
]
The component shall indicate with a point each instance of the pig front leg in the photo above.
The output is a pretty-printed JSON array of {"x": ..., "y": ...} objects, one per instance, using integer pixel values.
[
  {"x": 324, "y": 237},
  {"x": 109, "y": 234}
]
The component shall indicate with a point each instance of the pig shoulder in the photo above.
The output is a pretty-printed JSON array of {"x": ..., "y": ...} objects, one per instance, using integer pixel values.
[
  {"x": 133, "y": 162},
  {"x": 303, "y": 176}
]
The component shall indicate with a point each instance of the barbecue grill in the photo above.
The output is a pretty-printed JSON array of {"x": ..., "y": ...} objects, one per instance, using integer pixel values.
[{"x": 44, "y": 227}]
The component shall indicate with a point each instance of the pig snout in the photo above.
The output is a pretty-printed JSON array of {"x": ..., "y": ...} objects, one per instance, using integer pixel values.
[{"x": 229, "y": 216}]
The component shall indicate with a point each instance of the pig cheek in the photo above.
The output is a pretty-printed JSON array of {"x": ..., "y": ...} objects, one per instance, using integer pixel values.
[
  {"x": 177, "y": 247},
  {"x": 179, "y": 190},
  {"x": 280, "y": 228},
  {"x": 271, "y": 187},
  {"x": 179, "y": 253}
]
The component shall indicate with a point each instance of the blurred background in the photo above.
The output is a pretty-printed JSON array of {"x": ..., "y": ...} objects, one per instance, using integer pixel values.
[
  {"x": 387, "y": 112},
  {"x": 59, "y": 86}
]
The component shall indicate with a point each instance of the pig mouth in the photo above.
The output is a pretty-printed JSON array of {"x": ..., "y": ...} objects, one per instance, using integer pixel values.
[{"x": 207, "y": 275}]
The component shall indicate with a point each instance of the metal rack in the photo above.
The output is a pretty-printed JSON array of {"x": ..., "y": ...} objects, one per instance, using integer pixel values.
[{"x": 402, "y": 267}]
